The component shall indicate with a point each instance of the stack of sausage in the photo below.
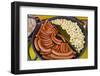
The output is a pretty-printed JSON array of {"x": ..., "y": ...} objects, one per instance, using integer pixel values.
[{"x": 51, "y": 44}]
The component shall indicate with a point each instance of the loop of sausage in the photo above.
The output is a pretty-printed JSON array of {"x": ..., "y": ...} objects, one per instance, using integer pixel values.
[
  {"x": 61, "y": 37},
  {"x": 45, "y": 35},
  {"x": 55, "y": 40},
  {"x": 37, "y": 35},
  {"x": 61, "y": 57},
  {"x": 50, "y": 46},
  {"x": 46, "y": 40},
  {"x": 65, "y": 48},
  {"x": 36, "y": 44},
  {"x": 56, "y": 47},
  {"x": 47, "y": 44},
  {"x": 42, "y": 48},
  {"x": 43, "y": 31},
  {"x": 62, "y": 47},
  {"x": 48, "y": 25},
  {"x": 61, "y": 54}
]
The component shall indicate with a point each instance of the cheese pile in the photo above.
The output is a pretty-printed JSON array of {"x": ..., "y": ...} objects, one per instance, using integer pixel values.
[{"x": 74, "y": 31}]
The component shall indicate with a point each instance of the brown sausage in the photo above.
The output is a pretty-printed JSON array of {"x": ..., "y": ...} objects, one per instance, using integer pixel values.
[
  {"x": 55, "y": 40},
  {"x": 50, "y": 46},
  {"x": 42, "y": 48},
  {"x": 61, "y": 37},
  {"x": 36, "y": 44},
  {"x": 44, "y": 36},
  {"x": 62, "y": 47},
  {"x": 48, "y": 25},
  {"x": 47, "y": 44},
  {"x": 56, "y": 47},
  {"x": 61, "y": 54},
  {"x": 65, "y": 48},
  {"x": 39, "y": 31},
  {"x": 59, "y": 57},
  {"x": 45, "y": 31}
]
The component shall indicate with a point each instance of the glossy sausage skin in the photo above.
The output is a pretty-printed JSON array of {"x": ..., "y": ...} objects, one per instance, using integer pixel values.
[
  {"x": 51, "y": 44},
  {"x": 36, "y": 45},
  {"x": 42, "y": 48}
]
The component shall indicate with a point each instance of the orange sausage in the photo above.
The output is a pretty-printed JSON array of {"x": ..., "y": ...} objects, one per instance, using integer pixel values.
[
  {"x": 59, "y": 57},
  {"x": 55, "y": 40},
  {"x": 42, "y": 48},
  {"x": 61, "y": 54},
  {"x": 61, "y": 37},
  {"x": 36, "y": 44}
]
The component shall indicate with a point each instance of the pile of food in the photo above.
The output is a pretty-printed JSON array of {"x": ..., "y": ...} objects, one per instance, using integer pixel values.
[
  {"x": 51, "y": 44},
  {"x": 77, "y": 38}
]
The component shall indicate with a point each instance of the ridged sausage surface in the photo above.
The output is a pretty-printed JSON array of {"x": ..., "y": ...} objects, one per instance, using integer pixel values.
[{"x": 51, "y": 44}]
